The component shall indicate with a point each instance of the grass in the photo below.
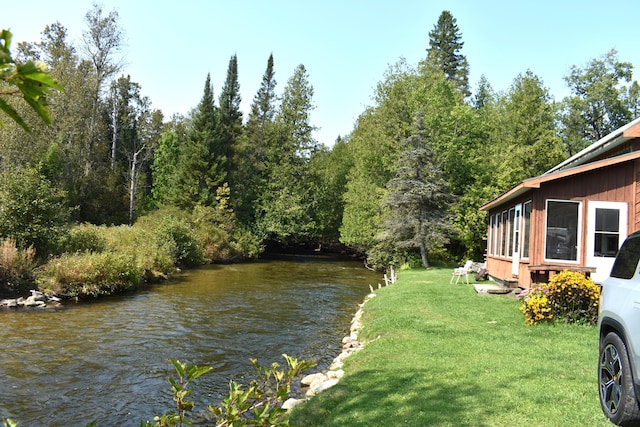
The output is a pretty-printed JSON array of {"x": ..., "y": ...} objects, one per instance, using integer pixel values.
[{"x": 441, "y": 355}]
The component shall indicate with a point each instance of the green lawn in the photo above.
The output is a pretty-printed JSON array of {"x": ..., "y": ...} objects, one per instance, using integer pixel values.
[{"x": 441, "y": 355}]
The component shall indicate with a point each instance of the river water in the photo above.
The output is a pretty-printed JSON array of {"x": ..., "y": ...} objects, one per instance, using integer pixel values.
[{"x": 107, "y": 360}]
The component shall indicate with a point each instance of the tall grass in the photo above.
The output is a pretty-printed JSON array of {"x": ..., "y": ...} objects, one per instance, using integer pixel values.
[
  {"x": 442, "y": 355},
  {"x": 16, "y": 266}
]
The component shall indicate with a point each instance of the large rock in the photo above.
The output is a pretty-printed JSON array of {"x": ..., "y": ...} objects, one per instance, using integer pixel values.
[
  {"x": 322, "y": 386},
  {"x": 292, "y": 403}
]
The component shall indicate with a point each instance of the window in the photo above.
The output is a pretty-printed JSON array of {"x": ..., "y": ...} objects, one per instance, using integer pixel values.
[
  {"x": 492, "y": 236},
  {"x": 561, "y": 238},
  {"x": 496, "y": 242},
  {"x": 527, "y": 229},
  {"x": 503, "y": 234},
  {"x": 607, "y": 233},
  {"x": 512, "y": 224}
]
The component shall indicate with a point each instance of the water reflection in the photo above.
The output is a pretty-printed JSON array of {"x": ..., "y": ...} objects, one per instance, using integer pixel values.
[{"x": 108, "y": 360}]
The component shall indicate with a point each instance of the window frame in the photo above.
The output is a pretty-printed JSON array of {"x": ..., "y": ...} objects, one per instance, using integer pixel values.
[{"x": 579, "y": 231}]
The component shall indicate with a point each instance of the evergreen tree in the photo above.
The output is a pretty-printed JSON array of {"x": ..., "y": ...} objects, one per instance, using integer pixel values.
[
  {"x": 418, "y": 198},
  {"x": 165, "y": 165},
  {"x": 285, "y": 206},
  {"x": 251, "y": 157},
  {"x": 201, "y": 167},
  {"x": 444, "y": 52},
  {"x": 230, "y": 117},
  {"x": 294, "y": 116}
]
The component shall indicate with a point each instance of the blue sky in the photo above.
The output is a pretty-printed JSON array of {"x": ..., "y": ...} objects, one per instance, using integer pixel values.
[{"x": 346, "y": 46}]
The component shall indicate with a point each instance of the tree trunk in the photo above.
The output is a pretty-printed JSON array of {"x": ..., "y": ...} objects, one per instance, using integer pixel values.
[
  {"x": 132, "y": 189},
  {"x": 114, "y": 138},
  {"x": 423, "y": 254}
]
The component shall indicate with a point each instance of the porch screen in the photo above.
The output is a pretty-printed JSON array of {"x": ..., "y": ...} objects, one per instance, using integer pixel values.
[{"x": 561, "y": 240}]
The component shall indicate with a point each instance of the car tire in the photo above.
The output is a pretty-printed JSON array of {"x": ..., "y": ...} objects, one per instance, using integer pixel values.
[{"x": 617, "y": 395}]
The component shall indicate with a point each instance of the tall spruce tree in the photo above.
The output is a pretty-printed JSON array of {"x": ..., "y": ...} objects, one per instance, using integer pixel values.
[
  {"x": 201, "y": 167},
  {"x": 285, "y": 205},
  {"x": 230, "y": 118},
  {"x": 418, "y": 197},
  {"x": 250, "y": 157},
  {"x": 445, "y": 44}
]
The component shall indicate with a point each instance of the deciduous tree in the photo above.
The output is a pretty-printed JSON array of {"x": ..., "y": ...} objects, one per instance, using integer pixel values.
[{"x": 600, "y": 101}]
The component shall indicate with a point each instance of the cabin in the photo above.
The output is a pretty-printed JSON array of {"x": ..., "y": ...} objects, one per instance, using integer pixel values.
[{"x": 573, "y": 217}]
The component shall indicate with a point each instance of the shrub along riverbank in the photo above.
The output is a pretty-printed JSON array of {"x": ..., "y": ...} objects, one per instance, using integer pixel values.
[
  {"x": 93, "y": 261},
  {"x": 441, "y": 355}
]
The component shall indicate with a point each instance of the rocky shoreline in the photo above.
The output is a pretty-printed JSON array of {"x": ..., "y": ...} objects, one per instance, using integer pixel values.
[
  {"x": 318, "y": 382},
  {"x": 37, "y": 299}
]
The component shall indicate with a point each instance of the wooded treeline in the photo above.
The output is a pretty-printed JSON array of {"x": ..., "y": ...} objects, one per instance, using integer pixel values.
[{"x": 404, "y": 185}]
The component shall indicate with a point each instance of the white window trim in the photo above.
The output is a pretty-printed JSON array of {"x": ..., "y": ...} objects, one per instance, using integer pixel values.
[{"x": 578, "y": 237}]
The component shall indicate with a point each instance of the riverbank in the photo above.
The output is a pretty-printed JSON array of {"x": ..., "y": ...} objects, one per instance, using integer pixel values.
[{"x": 442, "y": 355}]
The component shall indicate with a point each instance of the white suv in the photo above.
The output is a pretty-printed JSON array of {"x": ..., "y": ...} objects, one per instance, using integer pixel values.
[{"x": 619, "y": 325}]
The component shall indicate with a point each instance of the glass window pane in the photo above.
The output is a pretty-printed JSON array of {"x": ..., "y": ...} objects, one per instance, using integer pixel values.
[
  {"x": 608, "y": 220},
  {"x": 503, "y": 237},
  {"x": 562, "y": 231},
  {"x": 527, "y": 225},
  {"x": 606, "y": 238},
  {"x": 512, "y": 214}
]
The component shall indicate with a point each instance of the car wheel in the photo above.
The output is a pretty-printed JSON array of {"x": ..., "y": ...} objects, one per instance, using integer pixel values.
[{"x": 617, "y": 395}]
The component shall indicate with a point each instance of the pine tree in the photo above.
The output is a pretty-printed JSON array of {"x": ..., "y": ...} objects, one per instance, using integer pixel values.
[
  {"x": 230, "y": 116},
  {"x": 285, "y": 205},
  {"x": 250, "y": 157},
  {"x": 201, "y": 167},
  {"x": 444, "y": 52}
]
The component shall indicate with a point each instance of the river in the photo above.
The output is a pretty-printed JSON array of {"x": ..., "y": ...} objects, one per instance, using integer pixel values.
[{"x": 107, "y": 360}]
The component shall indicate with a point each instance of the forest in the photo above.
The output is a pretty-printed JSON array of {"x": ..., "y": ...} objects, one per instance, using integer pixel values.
[{"x": 403, "y": 188}]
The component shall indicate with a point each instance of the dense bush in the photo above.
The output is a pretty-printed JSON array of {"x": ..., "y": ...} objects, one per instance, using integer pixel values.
[
  {"x": 172, "y": 231},
  {"x": 42, "y": 221},
  {"x": 90, "y": 275},
  {"x": 101, "y": 260},
  {"x": 569, "y": 297},
  {"x": 84, "y": 238}
]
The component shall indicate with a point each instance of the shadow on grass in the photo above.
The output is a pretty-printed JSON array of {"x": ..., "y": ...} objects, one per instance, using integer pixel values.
[{"x": 375, "y": 398}]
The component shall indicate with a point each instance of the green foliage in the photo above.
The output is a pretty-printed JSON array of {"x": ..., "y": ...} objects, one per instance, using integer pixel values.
[
  {"x": 599, "y": 103},
  {"x": 570, "y": 297},
  {"x": 164, "y": 166},
  {"x": 84, "y": 238},
  {"x": 258, "y": 404},
  {"x": 173, "y": 232},
  {"x": 444, "y": 52},
  {"x": 29, "y": 80},
  {"x": 39, "y": 222},
  {"x": 418, "y": 197},
  {"x": 9, "y": 423},
  {"x": 202, "y": 162},
  {"x": 90, "y": 275},
  {"x": 187, "y": 373}
]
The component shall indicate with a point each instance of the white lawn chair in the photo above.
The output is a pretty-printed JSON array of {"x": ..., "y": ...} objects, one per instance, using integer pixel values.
[{"x": 461, "y": 271}]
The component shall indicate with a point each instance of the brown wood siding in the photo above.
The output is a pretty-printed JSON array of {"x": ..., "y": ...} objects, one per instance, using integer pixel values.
[
  {"x": 617, "y": 183},
  {"x": 634, "y": 223}
]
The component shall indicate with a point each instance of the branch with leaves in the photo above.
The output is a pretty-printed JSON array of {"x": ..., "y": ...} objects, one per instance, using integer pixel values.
[{"x": 29, "y": 80}]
